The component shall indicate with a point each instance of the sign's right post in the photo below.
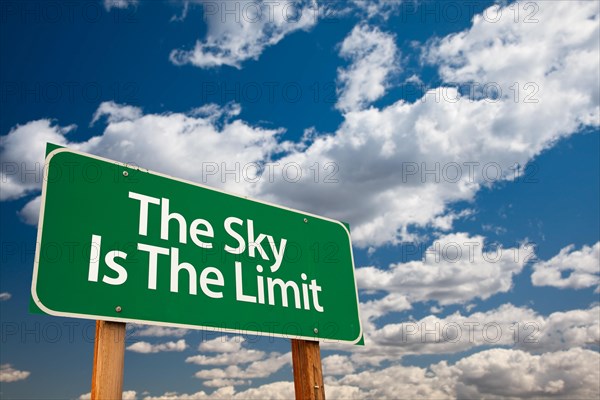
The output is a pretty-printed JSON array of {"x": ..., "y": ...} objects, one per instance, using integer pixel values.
[{"x": 308, "y": 373}]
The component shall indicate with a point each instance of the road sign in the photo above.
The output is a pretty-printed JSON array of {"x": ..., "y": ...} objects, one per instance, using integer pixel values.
[{"x": 124, "y": 244}]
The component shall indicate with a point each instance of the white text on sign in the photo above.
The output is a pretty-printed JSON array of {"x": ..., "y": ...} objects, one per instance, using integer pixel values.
[{"x": 270, "y": 291}]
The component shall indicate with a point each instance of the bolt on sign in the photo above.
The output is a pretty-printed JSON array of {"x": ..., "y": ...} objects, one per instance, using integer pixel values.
[{"x": 124, "y": 244}]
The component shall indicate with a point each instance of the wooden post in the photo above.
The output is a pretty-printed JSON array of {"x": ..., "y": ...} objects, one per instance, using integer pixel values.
[
  {"x": 308, "y": 374},
  {"x": 109, "y": 357}
]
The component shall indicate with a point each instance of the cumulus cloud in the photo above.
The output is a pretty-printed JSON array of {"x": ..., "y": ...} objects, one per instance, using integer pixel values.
[
  {"x": 127, "y": 395},
  {"x": 30, "y": 214},
  {"x": 224, "y": 383},
  {"x": 257, "y": 369},
  {"x": 456, "y": 268},
  {"x": 435, "y": 382},
  {"x": 242, "y": 356},
  {"x": 494, "y": 374},
  {"x": 505, "y": 373},
  {"x": 374, "y": 309},
  {"x": 451, "y": 334},
  {"x": 110, "y": 4},
  {"x": 508, "y": 325},
  {"x": 245, "y": 32},
  {"x": 392, "y": 169},
  {"x": 337, "y": 365},
  {"x": 269, "y": 391},
  {"x": 180, "y": 144},
  {"x": 378, "y": 8},
  {"x": 561, "y": 331},
  {"x": 116, "y": 112},
  {"x": 223, "y": 344},
  {"x": 570, "y": 268},
  {"x": 5, "y": 296},
  {"x": 240, "y": 364},
  {"x": 157, "y": 331},
  {"x": 146, "y": 348},
  {"x": 371, "y": 310},
  {"x": 9, "y": 374},
  {"x": 22, "y": 154},
  {"x": 500, "y": 51},
  {"x": 402, "y": 165},
  {"x": 373, "y": 59}
]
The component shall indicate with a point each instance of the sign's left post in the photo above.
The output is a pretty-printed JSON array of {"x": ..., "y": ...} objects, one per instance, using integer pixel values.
[{"x": 109, "y": 360}]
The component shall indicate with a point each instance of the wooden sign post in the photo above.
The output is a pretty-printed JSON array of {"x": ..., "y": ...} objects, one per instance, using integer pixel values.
[
  {"x": 308, "y": 373},
  {"x": 109, "y": 357}
]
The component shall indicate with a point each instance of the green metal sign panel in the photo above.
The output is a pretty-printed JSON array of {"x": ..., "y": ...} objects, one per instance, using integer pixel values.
[{"x": 126, "y": 244}]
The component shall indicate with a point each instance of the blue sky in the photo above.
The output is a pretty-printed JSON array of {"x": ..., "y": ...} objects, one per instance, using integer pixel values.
[{"x": 443, "y": 127}]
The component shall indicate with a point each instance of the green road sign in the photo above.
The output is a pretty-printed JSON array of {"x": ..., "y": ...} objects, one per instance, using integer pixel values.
[{"x": 126, "y": 244}]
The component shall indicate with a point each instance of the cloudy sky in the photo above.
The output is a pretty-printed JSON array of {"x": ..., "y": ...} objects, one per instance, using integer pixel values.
[{"x": 458, "y": 139}]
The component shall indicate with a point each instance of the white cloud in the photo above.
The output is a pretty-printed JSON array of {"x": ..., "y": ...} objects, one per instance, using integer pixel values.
[
  {"x": 9, "y": 374},
  {"x": 232, "y": 354},
  {"x": 492, "y": 374},
  {"x": 435, "y": 310},
  {"x": 30, "y": 214},
  {"x": 257, "y": 369},
  {"x": 5, "y": 296},
  {"x": 374, "y": 309},
  {"x": 214, "y": 111},
  {"x": 512, "y": 373},
  {"x": 193, "y": 396},
  {"x": 145, "y": 347},
  {"x": 170, "y": 143},
  {"x": 382, "y": 155},
  {"x": 244, "y": 32},
  {"x": 374, "y": 152},
  {"x": 110, "y": 4},
  {"x": 337, "y": 365},
  {"x": 342, "y": 392},
  {"x": 127, "y": 395},
  {"x": 562, "y": 330},
  {"x": 242, "y": 356},
  {"x": 374, "y": 59},
  {"x": 582, "y": 268},
  {"x": 558, "y": 53},
  {"x": 507, "y": 325},
  {"x": 371, "y": 310},
  {"x": 223, "y": 344},
  {"x": 269, "y": 391},
  {"x": 22, "y": 154},
  {"x": 187, "y": 146},
  {"x": 224, "y": 382},
  {"x": 455, "y": 269},
  {"x": 116, "y": 112},
  {"x": 184, "y": 12},
  {"x": 158, "y": 331},
  {"x": 435, "y": 382},
  {"x": 378, "y": 8}
]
